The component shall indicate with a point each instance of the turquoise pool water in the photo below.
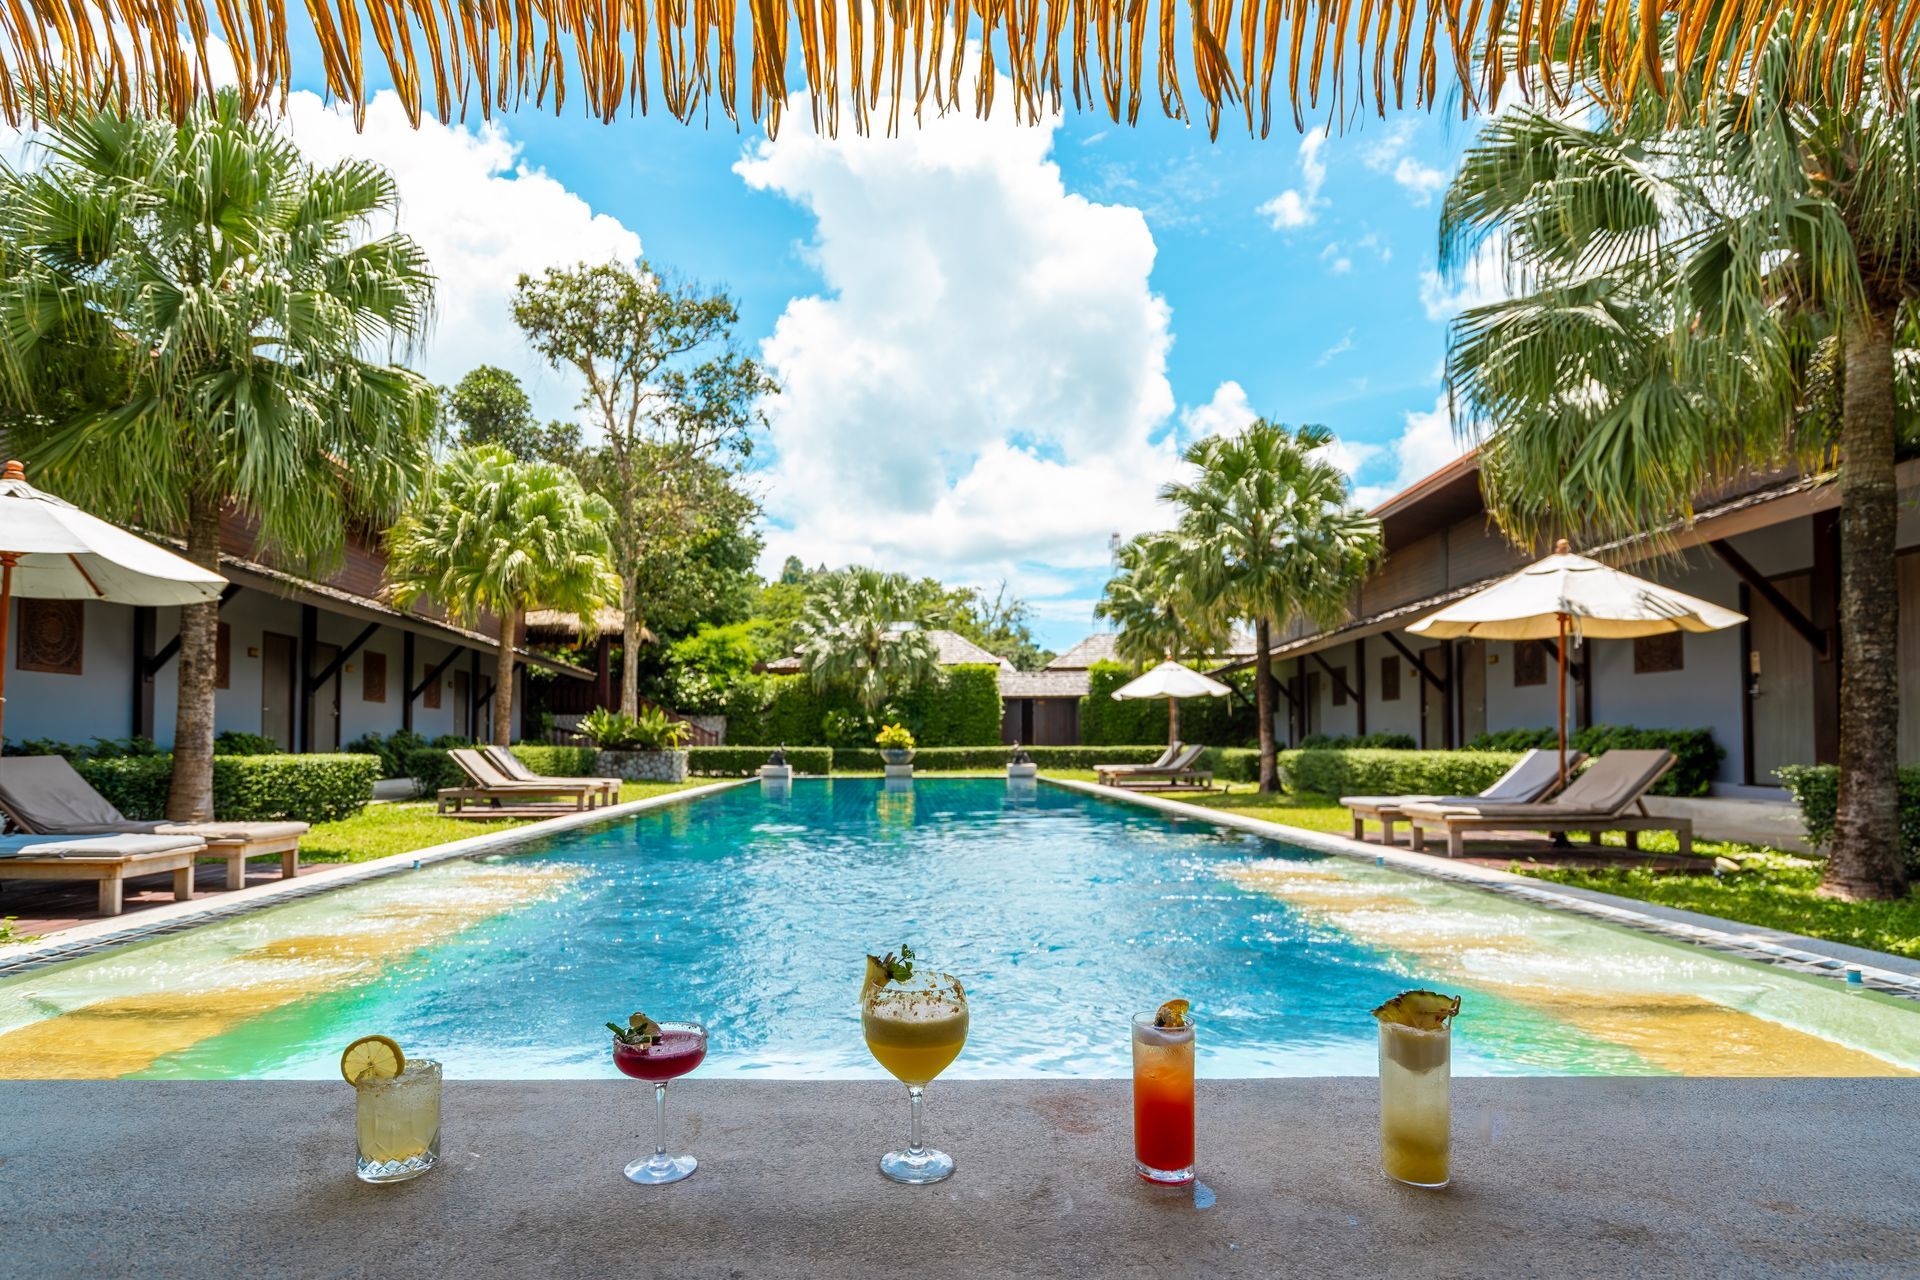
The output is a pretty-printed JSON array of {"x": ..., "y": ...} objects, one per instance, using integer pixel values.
[{"x": 1062, "y": 913}]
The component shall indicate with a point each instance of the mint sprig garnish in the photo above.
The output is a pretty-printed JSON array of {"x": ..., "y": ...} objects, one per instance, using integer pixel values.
[{"x": 640, "y": 1029}]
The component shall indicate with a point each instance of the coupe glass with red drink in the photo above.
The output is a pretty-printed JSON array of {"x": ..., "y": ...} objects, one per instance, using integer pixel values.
[
  {"x": 1163, "y": 1094},
  {"x": 658, "y": 1052}
]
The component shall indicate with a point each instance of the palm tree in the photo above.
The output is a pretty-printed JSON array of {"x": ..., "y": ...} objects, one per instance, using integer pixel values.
[
  {"x": 857, "y": 632},
  {"x": 189, "y": 316},
  {"x": 492, "y": 535},
  {"x": 1266, "y": 535},
  {"x": 1148, "y": 599},
  {"x": 1738, "y": 291}
]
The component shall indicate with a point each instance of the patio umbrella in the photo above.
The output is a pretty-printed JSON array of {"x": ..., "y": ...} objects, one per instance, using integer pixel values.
[
  {"x": 1567, "y": 593},
  {"x": 1173, "y": 682},
  {"x": 52, "y": 550}
]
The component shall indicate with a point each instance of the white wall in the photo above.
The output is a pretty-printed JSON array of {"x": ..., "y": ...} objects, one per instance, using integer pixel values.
[{"x": 97, "y": 703}]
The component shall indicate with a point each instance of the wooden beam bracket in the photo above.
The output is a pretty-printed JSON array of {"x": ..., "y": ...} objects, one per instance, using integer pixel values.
[
  {"x": 1334, "y": 675},
  {"x": 166, "y": 651},
  {"x": 433, "y": 674},
  {"x": 315, "y": 683},
  {"x": 1803, "y": 626},
  {"x": 1440, "y": 683}
]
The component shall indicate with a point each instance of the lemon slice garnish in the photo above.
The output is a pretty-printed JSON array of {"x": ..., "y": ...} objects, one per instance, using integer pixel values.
[
  {"x": 1421, "y": 1010},
  {"x": 1171, "y": 1014},
  {"x": 372, "y": 1058}
]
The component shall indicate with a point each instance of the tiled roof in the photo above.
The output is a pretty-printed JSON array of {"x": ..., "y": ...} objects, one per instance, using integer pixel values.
[
  {"x": 1097, "y": 647},
  {"x": 1044, "y": 684}
]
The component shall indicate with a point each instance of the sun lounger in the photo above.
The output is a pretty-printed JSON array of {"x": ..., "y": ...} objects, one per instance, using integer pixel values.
[
  {"x": 108, "y": 859},
  {"x": 1105, "y": 772},
  {"x": 516, "y": 768},
  {"x": 1607, "y": 797},
  {"x": 46, "y": 796},
  {"x": 1181, "y": 771},
  {"x": 1532, "y": 777},
  {"x": 490, "y": 785}
]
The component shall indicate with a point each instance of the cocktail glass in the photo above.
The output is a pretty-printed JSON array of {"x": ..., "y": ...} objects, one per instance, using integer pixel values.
[
  {"x": 1162, "y": 1100},
  {"x": 1415, "y": 1103},
  {"x": 915, "y": 1028},
  {"x": 682, "y": 1046},
  {"x": 398, "y": 1121}
]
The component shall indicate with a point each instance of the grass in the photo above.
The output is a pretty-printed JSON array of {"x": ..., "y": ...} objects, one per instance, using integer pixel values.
[
  {"x": 1772, "y": 889},
  {"x": 381, "y": 830}
]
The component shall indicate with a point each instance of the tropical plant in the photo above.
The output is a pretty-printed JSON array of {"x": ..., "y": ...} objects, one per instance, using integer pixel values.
[
  {"x": 1736, "y": 292},
  {"x": 492, "y": 535},
  {"x": 858, "y": 633},
  {"x": 186, "y": 315},
  {"x": 1265, "y": 535},
  {"x": 894, "y": 737},
  {"x": 1150, "y": 599},
  {"x": 651, "y": 730},
  {"x": 491, "y": 407},
  {"x": 673, "y": 404}
]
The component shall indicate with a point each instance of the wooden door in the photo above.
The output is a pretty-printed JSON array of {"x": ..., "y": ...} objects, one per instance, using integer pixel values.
[
  {"x": 1473, "y": 690},
  {"x": 1780, "y": 667},
  {"x": 325, "y": 707},
  {"x": 1433, "y": 703},
  {"x": 277, "y": 693},
  {"x": 462, "y": 704}
]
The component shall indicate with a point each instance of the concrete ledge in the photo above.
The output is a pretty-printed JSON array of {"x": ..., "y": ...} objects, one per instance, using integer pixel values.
[
  {"x": 1776, "y": 823},
  {"x": 1553, "y": 1178}
]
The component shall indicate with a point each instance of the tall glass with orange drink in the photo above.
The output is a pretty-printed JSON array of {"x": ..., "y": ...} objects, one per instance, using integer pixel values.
[{"x": 1163, "y": 1094}]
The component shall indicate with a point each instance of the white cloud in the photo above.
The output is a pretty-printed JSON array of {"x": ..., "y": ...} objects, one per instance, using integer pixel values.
[
  {"x": 1227, "y": 412},
  {"x": 1427, "y": 443},
  {"x": 1338, "y": 263},
  {"x": 981, "y": 387},
  {"x": 1481, "y": 281},
  {"x": 483, "y": 216},
  {"x": 1335, "y": 351},
  {"x": 1422, "y": 181},
  {"x": 1388, "y": 154},
  {"x": 1300, "y": 206}
]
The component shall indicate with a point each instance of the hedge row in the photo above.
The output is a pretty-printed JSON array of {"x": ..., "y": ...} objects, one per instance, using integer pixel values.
[
  {"x": 1390, "y": 772},
  {"x": 1105, "y": 722},
  {"x": 307, "y": 788},
  {"x": 961, "y": 708},
  {"x": 741, "y": 762},
  {"x": 1697, "y": 756},
  {"x": 1816, "y": 788}
]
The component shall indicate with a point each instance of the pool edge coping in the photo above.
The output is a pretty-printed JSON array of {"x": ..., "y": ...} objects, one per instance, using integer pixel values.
[
  {"x": 1810, "y": 957},
  {"x": 112, "y": 932}
]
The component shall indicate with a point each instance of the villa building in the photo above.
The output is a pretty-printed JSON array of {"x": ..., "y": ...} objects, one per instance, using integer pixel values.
[
  {"x": 310, "y": 663},
  {"x": 1769, "y": 690}
]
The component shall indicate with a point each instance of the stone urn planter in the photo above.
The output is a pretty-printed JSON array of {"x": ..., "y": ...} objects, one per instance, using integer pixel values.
[
  {"x": 642, "y": 766},
  {"x": 896, "y": 756}
]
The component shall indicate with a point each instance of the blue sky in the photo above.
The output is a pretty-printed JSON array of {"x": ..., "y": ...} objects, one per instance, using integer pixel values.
[{"x": 993, "y": 339}]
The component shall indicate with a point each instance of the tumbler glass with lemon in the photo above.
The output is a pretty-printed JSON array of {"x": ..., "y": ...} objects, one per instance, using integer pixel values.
[
  {"x": 915, "y": 1025},
  {"x": 397, "y": 1109}
]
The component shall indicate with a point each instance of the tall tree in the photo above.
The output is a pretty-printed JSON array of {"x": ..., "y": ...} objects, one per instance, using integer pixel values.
[
  {"x": 492, "y": 407},
  {"x": 491, "y": 535},
  {"x": 1266, "y": 536},
  {"x": 1732, "y": 292},
  {"x": 859, "y": 632},
  {"x": 1150, "y": 599},
  {"x": 670, "y": 398},
  {"x": 192, "y": 325}
]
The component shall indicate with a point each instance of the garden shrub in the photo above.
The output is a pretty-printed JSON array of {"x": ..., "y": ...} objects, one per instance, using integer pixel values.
[
  {"x": 393, "y": 750},
  {"x": 1697, "y": 756},
  {"x": 1234, "y": 764},
  {"x": 96, "y": 749},
  {"x": 556, "y": 762},
  {"x": 962, "y": 708},
  {"x": 1391, "y": 772},
  {"x": 232, "y": 742},
  {"x": 743, "y": 762},
  {"x": 430, "y": 767},
  {"x": 1384, "y": 741},
  {"x": 307, "y": 788},
  {"x": 1220, "y": 722},
  {"x": 1816, "y": 789}
]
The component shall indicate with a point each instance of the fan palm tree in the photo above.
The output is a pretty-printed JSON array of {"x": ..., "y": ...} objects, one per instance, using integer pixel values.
[
  {"x": 1266, "y": 536},
  {"x": 857, "y": 632},
  {"x": 495, "y": 536},
  {"x": 1148, "y": 600},
  {"x": 1739, "y": 291},
  {"x": 194, "y": 323}
]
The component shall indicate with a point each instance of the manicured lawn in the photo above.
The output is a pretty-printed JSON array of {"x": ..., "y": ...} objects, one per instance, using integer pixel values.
[
  {"x": 383, "y": 829},
  {"x": 1773, "y": 889}
]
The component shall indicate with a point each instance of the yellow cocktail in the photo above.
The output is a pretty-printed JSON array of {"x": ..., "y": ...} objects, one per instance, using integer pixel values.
[
  {"x": 915, "y": 1025},
  {"x": 1416, "y": 1073}
]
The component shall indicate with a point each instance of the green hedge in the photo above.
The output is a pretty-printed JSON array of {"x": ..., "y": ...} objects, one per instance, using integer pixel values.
[
  {"x": 308, "y": 788},
  {"x": 1697, "y": 756},
  {"x": 1221, "y": 722},
  {"x": 557, "y": 762},
  {"x": 744, "y": 762},
  {"x": 1234, "y": 764},
  {"x": 1389, "y": 772},
  {"x": 962, "y": 708},
  {"x": 1816, "y": 788},
  {"x": 1383, "y": 740},
  {"x": 431, "y": 768}
]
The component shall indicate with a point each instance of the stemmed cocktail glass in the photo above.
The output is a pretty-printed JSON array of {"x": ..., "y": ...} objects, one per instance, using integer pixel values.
[
  {"x": 915, "y": 1024},
  {"x": 660, "y": 1051}
]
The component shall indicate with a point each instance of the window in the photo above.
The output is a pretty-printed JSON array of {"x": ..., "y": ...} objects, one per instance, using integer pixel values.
[
  {"x": 373, "y": 677},
  {"x": 52, "y": 635},
  {"x": 1390, "y": 679},
  {"x": 222, "y": 656},
  {"x": 1339, "y": 686},
  {"x": 1653, "y": 654},
  {"x": 430, "y": 699},
  {"x": 1529, "y": 663}
]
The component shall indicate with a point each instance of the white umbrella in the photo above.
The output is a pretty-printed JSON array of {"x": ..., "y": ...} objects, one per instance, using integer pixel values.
[
  {"x": 1173, "y": 682},
  {"x": 1564, "y": 593},
  {"x": 52, "y": 550}
]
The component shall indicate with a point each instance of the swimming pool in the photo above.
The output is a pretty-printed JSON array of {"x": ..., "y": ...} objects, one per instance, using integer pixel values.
[{"x": 1062, "y": 912}]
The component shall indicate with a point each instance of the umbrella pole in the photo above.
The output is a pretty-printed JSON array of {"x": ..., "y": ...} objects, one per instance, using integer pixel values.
[
  {"x": 8, "y": 559},
  {"x": 1563, "y": 699},
  {"x": 1173, "y": 722}
]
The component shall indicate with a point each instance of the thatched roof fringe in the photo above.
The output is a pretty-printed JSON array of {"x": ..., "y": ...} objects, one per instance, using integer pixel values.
[{"x": 1339, "y": 58}]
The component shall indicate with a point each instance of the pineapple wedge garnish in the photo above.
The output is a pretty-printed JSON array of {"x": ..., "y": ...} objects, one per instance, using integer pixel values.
[{"x": 1421, "y": 1010}]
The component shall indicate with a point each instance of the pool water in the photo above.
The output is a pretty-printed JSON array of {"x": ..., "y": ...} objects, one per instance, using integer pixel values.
[{"x": 1062, "y": 913}]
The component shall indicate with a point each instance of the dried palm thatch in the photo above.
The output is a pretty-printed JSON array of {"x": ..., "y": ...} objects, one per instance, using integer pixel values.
[{"x": 886, "y": 57}]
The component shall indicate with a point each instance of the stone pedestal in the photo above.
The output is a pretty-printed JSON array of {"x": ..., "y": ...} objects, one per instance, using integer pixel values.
[
  {"x": 901, "y": 772},
  {"x": 1027, "y": 770},
  {"x": 776, "y": 773}
]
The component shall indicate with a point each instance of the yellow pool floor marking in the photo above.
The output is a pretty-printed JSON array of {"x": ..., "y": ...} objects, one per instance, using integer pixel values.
[
  {"x": 1672, "y": 1030},
  {"x": 120, "y": 1035}
]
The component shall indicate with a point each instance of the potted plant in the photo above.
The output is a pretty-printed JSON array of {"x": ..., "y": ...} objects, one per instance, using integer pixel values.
[
  {"x": 896, "y": 744},
  {"x": 649, "y": 747}
]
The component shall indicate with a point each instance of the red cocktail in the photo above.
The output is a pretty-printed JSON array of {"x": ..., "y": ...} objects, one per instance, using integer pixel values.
[
  {"x": 1163, "y": 1098},
  {"x": 657, "y": 1053},
  {"x": 674, "y": 1054}
]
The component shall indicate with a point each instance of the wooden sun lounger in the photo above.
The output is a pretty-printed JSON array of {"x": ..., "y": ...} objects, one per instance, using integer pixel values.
[
  {"x": 508, "y": 797},
  {"x": 107, "y": 859},
  {"x": 1533, "y": 777},
  {"x": 1609, "y": 796},
  {"x": 508, "y": 763},
  {"x": 1134, "y": 775}
]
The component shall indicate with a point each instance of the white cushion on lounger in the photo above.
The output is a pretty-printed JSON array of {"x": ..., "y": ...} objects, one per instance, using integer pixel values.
[{"x": 121, "y": 846}]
